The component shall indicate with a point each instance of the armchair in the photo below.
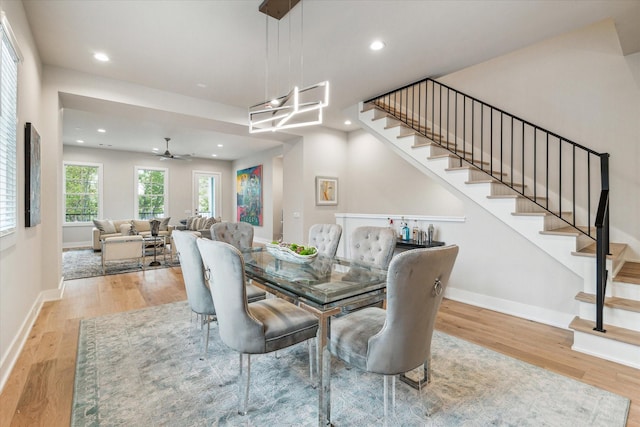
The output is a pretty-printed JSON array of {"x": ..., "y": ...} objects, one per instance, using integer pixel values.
[
  {"x": 198, "y": 293},
  {"x": 261, "y": 327},
  {"x": 122, "y": 247},
  {"x": 399, "y": 339}
]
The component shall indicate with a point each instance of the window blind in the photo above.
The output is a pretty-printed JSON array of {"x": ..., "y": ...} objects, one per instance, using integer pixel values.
[{"x": 8, "y": 128}]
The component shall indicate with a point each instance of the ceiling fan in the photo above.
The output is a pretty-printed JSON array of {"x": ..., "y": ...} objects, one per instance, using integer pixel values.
[{"x": 168, "y": 156}]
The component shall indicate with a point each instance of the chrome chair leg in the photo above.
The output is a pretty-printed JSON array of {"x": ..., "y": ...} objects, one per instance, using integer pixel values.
[
  {"x": 243, "y": 385},
  {"x": 206, "y": 334},
  {"x": 389, "y": 397},
  {"x": 312, "y": 361}
]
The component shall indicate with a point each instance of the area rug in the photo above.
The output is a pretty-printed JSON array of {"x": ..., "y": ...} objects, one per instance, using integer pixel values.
[
  {"x": 82, "y": 263},
  {"x": 146, "y": 368}
]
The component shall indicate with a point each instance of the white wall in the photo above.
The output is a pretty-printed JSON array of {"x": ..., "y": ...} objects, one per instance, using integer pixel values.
[
  {"x": 379, "y": 180},
  {"x": 277, "y": 195},
  {"x": 580, "y": 86},
  {"x": 293, "y": 189},
  {"x": 320, "y": 152},
  {"x": 24, "y": 257},
  {"x": 119, "y": 190}
]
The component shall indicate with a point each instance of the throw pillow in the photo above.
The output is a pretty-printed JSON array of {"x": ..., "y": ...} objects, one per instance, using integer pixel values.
[
  {"x": 105, "y": 226},
  {"x": 190, "y": 222},
  {"x": 164, "y": 223},
  {"x": 132, "y": 230},
  {"x": 141, "y": 225},
  {"x": 208, "y": 223}
]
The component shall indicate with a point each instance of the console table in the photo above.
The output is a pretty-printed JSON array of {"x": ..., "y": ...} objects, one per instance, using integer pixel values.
[{"x": 412, "y": 244}]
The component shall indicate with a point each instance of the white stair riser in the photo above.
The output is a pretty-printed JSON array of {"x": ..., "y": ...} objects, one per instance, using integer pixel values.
[
  {"x": 612, "y": 316},
  {"x": 614, "y": 289},
  {"x": 606, "y": 348}
]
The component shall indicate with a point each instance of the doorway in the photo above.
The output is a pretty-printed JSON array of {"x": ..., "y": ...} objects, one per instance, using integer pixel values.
[{"x": 207, "y": 194}]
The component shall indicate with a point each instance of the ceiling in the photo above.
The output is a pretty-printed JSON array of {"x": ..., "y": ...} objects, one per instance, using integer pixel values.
[{"x": 216, "y": 51}]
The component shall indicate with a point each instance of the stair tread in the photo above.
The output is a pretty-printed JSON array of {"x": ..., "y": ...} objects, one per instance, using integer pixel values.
[
  {"x": 613, "y": 302},
  {"x": 490, "y": 181},
  {"x": 470, "y": 167},
  {"x": 512, "y": 196},
  {"x": 629, "y": 273},
  {"x": 628, "y": 336},
  {"x": 568, "y": 230},
  {"x": 590, "y": 251},
  {"x": 566, "y": 213}
]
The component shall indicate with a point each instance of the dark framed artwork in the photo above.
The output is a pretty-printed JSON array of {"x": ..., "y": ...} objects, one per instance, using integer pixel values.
[
  {"x": 249, "y": 195},
  {"x": 32, "y": 175}
]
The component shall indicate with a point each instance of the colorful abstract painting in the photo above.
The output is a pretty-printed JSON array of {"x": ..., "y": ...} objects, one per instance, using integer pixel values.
[{"x": 249, "y": 195}]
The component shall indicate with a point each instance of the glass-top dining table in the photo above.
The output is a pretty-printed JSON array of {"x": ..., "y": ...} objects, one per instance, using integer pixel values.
[{"x": 325, "y": 287}]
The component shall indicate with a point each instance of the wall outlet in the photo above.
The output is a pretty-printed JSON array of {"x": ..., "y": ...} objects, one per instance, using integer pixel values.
[{"x": 296, "y": 214}]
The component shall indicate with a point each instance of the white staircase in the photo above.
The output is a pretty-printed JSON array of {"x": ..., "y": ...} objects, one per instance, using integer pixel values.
[{"x": 576, "y": 251}]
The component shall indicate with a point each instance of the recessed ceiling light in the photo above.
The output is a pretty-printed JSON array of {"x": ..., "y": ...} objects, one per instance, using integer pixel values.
[
  {"x": 214, "y": 155},
  {"x": 220, "y": 145},
  {"x": 377, "y": 45},
  {"x": 201, "y": 85},
  {"x": 100, "y": 56},
  {"x": 80, "y": 141},
  {"x": 101, "y": 130},
  {"x": 155, "y": 149},
  {"x": 347, "y": 122}
]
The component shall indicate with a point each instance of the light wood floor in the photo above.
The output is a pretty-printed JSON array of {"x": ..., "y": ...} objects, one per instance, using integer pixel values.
[{"x": 39, "y": 391}]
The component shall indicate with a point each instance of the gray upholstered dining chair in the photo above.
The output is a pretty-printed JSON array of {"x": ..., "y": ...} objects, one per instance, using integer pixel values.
[
  {"x": 325, "y": 238},
  {"x": 198, "y": 294},
  {"x": 261, "y": 327},
  {"x": 397, "y": 340},
  {"x": 373, "y": 245},
  {"x": 238, "y": 234}
]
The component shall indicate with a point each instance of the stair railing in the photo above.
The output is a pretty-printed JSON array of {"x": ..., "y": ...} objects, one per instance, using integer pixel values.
[
  {"x": 602, "y": 243},
  {"x": 554, "y": 173}
]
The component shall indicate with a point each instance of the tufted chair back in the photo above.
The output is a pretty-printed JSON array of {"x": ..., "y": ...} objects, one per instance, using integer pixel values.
[
  {"x": 416, "y": 283},
  {"x": 198, "y": 293},
  {"x": 373, "y": 245},
  {"x": 237, "y": 234},
  {"x": 325, "y": 238}
]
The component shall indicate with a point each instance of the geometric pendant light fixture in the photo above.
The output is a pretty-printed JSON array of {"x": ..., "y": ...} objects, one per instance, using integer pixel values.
[{"x": 300, "y": 106}]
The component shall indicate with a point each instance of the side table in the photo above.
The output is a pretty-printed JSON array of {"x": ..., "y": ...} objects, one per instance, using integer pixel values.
[{"x": 156, "y": 242}]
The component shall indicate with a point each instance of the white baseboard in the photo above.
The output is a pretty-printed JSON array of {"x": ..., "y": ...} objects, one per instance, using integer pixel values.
[
  {"x": 525, "y": 311},
  {"x": 69, "y": 245},
  {"x": 10, "y": 357}
]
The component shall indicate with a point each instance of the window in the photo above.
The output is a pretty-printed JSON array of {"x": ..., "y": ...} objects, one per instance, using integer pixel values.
[
  {"x": 82, "y": 188},
  {"x": 151, "y": 198},
  {"x": 8, "y": 129}
]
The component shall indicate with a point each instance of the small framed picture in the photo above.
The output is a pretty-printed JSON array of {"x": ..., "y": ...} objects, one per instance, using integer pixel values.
[{"x": 326, "y": 191}]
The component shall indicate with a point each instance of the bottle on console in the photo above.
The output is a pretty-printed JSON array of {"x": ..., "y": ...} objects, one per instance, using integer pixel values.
[{"x": 406, "y": 233}]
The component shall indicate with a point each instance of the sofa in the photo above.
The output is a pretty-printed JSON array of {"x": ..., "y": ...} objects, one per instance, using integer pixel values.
[
  {"x": 199, "y": 225},
  {"x": 125, "y": 227}
]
